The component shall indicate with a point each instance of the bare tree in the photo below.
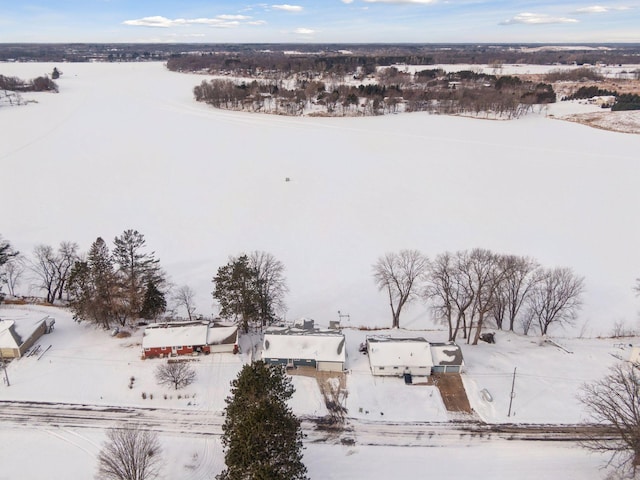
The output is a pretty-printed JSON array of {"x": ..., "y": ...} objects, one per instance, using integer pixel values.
[
  {"x": 486, "y": 273},
  {"x": 450, "y": 288},
  {"x": 556, "y": 297},
  {"x": 519, "y": 280},
  {"x": 44, "y": 267},
  {"x": 271, "y": 285},
  {"x": 439, "y": 289},
  {"x": 52, "y": 269},
  {"x": 184, "y": 297},
  {"x": 175, "y": 374},
  {"x": 614, "y": 401},
  {"x": 399, "y": 274},
  {"x": 13, "y": 270},
  {"x": 130, "y": 453},
  {"x": 64, "y": 261}
]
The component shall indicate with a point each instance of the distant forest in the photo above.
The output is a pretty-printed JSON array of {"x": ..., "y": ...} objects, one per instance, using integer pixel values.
[{"x": 566, "y": 54}]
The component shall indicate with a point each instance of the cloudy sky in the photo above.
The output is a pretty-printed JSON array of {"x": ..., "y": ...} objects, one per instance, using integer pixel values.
[{"x": 320, "y": 21}]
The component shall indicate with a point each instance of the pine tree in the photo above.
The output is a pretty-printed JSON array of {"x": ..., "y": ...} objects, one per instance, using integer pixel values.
[
  {"x": 261, "y": 436},
  {"x": 135, "y": 268},
  {"x": 237, "y": 291},
  {"x": 92, "y": 284},
  {"x": 154, "y": 302},
  {"x": 250, "y": 289}
]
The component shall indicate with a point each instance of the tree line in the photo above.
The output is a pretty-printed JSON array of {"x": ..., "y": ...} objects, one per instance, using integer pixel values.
[
  {"x": 469, "y": 290},
  {"x": 101, "y": 286},
  {"x": 390, "y": 91},
  {"x": 324, "y": 57},
  {"x": 38, "y": 84}
]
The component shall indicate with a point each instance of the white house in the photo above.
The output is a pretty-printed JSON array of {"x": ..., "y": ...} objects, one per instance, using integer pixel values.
[
  {"x": 304, "y": 345},
  {"x": 390, "y": 356},
  {"x": 188, "y": 338}
]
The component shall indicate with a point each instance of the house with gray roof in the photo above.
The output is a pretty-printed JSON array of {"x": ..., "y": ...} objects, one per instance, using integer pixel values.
[{"x": 304, "y": 345}]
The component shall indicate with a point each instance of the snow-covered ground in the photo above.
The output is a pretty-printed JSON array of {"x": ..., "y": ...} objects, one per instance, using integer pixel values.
[
  {"x": 125, "y": 146},
  {"x": 82, "y": 364}
]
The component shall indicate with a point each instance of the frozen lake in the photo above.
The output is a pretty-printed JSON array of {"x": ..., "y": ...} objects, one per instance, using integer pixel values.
[{"x": 126, "y": 146}]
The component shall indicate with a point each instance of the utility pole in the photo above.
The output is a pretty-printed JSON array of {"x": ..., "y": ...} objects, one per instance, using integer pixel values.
[
  {"x": 513, "y": 393},
  {"x": 4, "y": 366}
]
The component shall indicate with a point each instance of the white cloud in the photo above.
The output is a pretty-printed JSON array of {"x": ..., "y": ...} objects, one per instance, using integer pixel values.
[
  {"x": 304, "y": 31},
  {"x": 422, "y": 2},
  {"x": 592, "y": 9},
  {"x": 347, "y": 1},
  {"x": 221, "y": 21},
  {"x": 161, "y": 22},
  {"x": 537, "y": 19},
  {"x": 288, "y": 8},
  {"x": 233, "y": 17},
  {"x": 600, "y": 9}
]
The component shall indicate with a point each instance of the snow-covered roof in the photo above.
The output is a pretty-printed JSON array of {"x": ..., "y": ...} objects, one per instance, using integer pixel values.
[
  {"x": 218, "y": 335},
  {"x": 15, "y": 333},
  {"x": 175, "y": 335},
  {"x": 294, "y": 343},
  {"x": 8, "y": 335},
  {"x": 408, "y": 352},
  {"x": 446, "y": 354},
  {"x": 187, "y": 334}
]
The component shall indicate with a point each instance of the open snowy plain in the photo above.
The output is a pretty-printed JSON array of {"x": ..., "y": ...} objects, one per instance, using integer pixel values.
[{"x": 125, "y": 146}]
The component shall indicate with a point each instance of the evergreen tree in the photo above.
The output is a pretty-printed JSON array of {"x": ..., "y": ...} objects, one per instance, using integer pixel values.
[
  {"x": 237, "y": 291},
  {"x": 154, "y": 302},
  {"x": 261, "y": 436},
  {"x": 250, "y": 289},
  {"x": 92, "y": 283},
  {"x": 135, "y": 268}
]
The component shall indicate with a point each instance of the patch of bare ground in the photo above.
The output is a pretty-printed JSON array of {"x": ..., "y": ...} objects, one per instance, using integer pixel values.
[
  {"x": 624, "y": 122},
  {"x": 452, "y": 391}
]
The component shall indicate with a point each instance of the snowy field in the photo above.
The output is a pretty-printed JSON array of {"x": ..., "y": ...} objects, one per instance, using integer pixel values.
[
  {"x": 125, "y": 146},
  {"x": 82, "y": 364}
]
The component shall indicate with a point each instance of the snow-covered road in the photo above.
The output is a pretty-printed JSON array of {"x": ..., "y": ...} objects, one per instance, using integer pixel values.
[{"x": 354, "y": 431}]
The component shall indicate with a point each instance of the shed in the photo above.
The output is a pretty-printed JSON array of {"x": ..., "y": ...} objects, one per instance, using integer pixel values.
[
  {"x": 390, "y": 356},
  {"x": 16, "y": 337},
  {"x": 447, "y": 358},
  {"x": 298, "y": 346},
  {"x": 188, "y": 338}
]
